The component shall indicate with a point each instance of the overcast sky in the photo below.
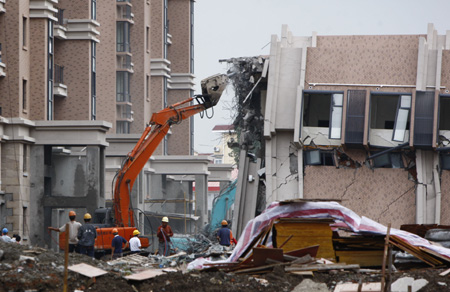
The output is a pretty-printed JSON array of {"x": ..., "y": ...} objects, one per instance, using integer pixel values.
[{"x": 242, "y": 28}]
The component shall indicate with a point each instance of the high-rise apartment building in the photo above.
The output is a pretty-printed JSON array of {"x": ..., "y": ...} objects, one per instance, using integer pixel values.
[{"x": 77, "y": 76}]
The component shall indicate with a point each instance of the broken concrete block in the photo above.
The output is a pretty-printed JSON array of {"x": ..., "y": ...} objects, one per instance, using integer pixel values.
[
  {"x": 402, "y": 284},
  {"x": 23, "y": 258},
  {"x": 309, "y": 285}
]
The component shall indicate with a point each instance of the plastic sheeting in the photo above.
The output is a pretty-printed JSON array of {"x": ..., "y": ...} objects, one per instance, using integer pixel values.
[{"x": 318, "y": 210}]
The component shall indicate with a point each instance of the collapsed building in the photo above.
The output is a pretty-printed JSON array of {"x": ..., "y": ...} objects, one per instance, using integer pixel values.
[{"x": 356, "y": 119}]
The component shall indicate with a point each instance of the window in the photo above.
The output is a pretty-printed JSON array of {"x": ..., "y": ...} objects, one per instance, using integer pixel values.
[
  {"x": 318, "y": 157},
  {"x": 147, "y": 38},
  {"x": 192, "y": 36},
  {"x": 93, "y": 81},
  {"x": 24, "y": 94},
  {"x": 24, "y": 31},
  {"x": 50, "y": 72},
  {"x": 147, "y": 87},
  {"x": 123, "y": 36},
  {"x": 166, "y": 28},
  {"x": 122, "y": 127},
  {"x": 402, "y": 119},
  {"x": 25, "y": 159},
  {"x": 390, "y": 111},
  {"x": 444, "y": 108},
  {"x": 94, "y": 9},
  {"x": 122, "y": 87},
  {"x": 445, "y": 161},
  {"x": 324, "y": 109},
  {"x": 388, "y": 160},
  {"x": 165, "y": 93},
  {"x": 218, "y": 161}
]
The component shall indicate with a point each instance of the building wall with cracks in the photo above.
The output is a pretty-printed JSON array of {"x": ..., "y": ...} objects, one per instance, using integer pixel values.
[{"x": 361, "y": 120}]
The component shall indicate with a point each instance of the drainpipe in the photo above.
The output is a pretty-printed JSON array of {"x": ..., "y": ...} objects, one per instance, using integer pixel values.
[{"x": 437, "y": 189}]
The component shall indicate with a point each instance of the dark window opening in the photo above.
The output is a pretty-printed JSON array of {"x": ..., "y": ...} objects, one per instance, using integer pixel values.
[
  {"x": 319, "y": 157},
  {"x": 445, "y": 161},
  {"x": 444, "y": 109},
  {"x": 324, "y": 110},
  {"x": 388, "y": 160}
]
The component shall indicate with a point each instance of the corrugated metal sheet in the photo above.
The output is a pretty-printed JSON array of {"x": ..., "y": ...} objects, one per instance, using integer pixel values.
[
  {"x": 354, "y": 128},
  {"x": 423, "y": 120}
]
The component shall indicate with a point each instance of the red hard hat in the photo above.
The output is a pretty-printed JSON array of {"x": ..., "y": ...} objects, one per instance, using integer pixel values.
[
  {"x": 115, "y": 230},
  {"x": 72, "y": 213},
  {"x": 224, "y": 222}
]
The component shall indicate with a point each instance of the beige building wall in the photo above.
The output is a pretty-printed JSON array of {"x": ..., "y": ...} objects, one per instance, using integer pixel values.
[
  {"x": 78, "y": 9},
  {"x": 77, "y": 75},
  {"x": 106, "y": 63},
  {"x": 39, "y": 69},
  {"x": 141, "y": 57},
  {"x": 16, "y": 56}
]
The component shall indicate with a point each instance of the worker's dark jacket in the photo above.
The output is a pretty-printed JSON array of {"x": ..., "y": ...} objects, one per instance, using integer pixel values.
[
  {"x": 224, "y": 235},
  {"x": 87, "y": 235}
]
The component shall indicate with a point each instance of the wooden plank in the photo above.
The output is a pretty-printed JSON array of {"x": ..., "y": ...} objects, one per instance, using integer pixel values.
[
  {"x": 87, "y": 270},
  {"x": 261, "y": 254},
  {"x": 383, "y": 267},
  {"x": 311, "y": 250},
  {"x": 444, "y": 273},
  {"x": 369, "y": 258},
  {"x": 322, "y": 267},
  {"x": 147, "y": 274}
]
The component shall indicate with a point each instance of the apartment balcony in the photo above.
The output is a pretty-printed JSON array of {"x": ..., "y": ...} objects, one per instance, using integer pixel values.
[
  {"x": 59, "y": 29},
  {"x": 124, "y": 13},
  {"x": 124, "y": 63},
  {"x": 2, "y": 6},
  {"x": 124, "y": 112},
  {"x": 2, "y": 65},
  {"x": 59, "y": 88}
]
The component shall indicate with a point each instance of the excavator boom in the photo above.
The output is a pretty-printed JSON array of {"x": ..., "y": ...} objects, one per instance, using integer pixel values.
[{"x": 212, "y": 88}]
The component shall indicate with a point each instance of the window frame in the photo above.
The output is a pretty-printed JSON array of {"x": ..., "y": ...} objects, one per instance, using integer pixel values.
[{"x": 330, "y": 121}]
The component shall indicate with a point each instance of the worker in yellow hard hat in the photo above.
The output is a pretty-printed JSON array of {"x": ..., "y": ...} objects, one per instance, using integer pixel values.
[
  {"x": 164, "y": 234},
  {"x": 117, "y": 245},
  {"x": 225, "y": 236},
  {"x": 135, "y": 243},
  {"x": 86, "y": 236},
  {"x": 73, "y": 231}
]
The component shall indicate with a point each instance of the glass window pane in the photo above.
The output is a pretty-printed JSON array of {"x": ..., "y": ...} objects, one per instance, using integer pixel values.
[
  {"x": 405, "y": 101},
  {"x": 336, "y": 122},
  {"x": 382, "y": 161},
  {"x": 338, "y": 99},
  {"x": 400, "y": 126},
  {"x": 396, "y": 160},
  {"x": 313, "y": 157}
]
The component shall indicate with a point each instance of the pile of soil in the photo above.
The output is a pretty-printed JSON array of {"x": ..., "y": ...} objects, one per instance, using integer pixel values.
[{"x": 45, "y": 272}]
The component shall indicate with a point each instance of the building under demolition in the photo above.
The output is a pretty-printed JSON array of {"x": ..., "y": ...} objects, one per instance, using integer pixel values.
[{"x": 358, "y": 119}]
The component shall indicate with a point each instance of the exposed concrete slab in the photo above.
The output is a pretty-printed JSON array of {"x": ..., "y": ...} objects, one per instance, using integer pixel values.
[{"x": 180, "y": 165}]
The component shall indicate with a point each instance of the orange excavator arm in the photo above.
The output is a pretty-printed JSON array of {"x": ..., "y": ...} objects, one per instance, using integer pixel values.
[{"x": 159, "y": 125}]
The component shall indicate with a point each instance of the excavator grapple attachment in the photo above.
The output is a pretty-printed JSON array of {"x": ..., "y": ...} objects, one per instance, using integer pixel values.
[{"x": 213, "y": 87}]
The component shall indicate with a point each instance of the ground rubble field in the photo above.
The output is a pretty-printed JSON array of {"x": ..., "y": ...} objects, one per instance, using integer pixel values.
[{"x": 43, "y": 270}]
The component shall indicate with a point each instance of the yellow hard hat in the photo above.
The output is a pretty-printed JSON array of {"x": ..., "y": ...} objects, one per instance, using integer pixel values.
[
  {"x": 87, "y": 216},
  {"x": 136, "y": 232},
  {"x": 72, "y": 213},
  {"x": 224, "y": 222},
  {"x": 165, "y": 219},
  {"x": 115, "y": 231}
]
